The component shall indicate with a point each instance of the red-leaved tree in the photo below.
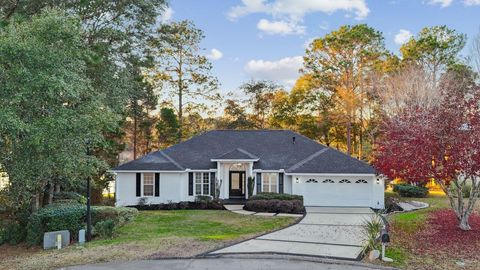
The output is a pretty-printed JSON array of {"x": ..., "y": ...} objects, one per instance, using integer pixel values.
[{"x": 440, "y": 142}]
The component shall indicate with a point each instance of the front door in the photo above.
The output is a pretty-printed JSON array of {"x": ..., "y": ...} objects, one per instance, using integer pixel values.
[{"x": 237, "y": 184}]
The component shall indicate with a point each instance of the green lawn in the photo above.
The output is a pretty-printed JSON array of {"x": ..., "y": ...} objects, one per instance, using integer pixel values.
[
  {"x": 152, "y": 234},
  {"x": 403, "y": 229}
]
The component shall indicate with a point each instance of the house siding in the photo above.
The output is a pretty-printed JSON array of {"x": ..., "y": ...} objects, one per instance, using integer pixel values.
[{"x": 173, "y": 188}]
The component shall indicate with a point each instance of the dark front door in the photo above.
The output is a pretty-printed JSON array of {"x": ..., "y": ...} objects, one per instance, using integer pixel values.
[{"x": 237, "y": 184}]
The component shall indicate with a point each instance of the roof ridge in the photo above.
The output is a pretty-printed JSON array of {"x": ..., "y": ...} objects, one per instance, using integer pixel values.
[
  {"x": 246, "y": 152},
  {"x": 171, "y": 159},
  {"x": 307, "y": 159}
]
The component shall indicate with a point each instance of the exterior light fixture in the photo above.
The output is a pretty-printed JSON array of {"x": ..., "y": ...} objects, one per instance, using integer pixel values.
[
  {"x": 297, "y": 181},
  {"x": 378, "y": 181}
]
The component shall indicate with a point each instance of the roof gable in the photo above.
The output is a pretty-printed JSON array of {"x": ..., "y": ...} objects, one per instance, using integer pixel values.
[{"x": 237, "y": 153}]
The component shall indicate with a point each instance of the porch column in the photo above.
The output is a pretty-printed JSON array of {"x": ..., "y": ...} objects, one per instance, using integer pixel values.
[{"x": 249, "y": 174}]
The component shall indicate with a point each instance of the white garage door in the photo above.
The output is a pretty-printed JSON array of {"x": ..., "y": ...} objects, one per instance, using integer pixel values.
[{"x": 335, "y": 191}]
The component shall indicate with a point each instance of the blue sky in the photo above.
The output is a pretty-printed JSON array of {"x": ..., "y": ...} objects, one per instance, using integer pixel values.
[{"x": 265, "y": 39}]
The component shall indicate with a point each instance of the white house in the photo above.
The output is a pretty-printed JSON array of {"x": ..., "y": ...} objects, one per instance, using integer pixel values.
[{"x": 278, "y": 161}]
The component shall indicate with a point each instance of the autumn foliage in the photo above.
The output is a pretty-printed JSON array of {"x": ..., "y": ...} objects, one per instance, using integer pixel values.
[{"x": 440, "y": 141}]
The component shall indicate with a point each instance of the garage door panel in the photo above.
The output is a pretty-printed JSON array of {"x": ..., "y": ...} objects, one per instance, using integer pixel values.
[{"x": 342, "y": 192}]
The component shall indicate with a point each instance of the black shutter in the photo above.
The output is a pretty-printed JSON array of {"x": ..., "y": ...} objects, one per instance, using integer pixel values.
[
  {"x": 280, "y": 183},
  {"x": 157, "y": 185},
  {"x": 212, "y": 184},
  {"x": 259, "y": 183},
  {"x": 139, "y": 184},
  {"x": 190, "y": 184}
]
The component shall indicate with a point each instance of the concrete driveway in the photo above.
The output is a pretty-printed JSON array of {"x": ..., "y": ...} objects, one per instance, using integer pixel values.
[{"x": 333, "y": 232}]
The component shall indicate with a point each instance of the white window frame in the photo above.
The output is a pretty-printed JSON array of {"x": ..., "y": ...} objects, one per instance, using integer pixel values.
[
  {"x": 270, "y": 182},
  {"x": 153, "y": 185},
  {"x": 202, "y": 184}
]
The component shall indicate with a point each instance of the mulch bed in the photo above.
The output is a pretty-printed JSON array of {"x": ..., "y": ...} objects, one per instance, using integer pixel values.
[{"x": 442, "y": 234}]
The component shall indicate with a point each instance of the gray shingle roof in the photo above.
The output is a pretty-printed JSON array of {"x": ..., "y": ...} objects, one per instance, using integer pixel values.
[
  {"x": 274, "y": 149},
  {"x": 238, "y": 153}
]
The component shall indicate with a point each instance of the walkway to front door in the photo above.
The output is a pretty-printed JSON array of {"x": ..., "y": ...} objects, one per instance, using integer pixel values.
[
  {"x": 324, "y": 231},
  {"x": 237, "y": 184}
]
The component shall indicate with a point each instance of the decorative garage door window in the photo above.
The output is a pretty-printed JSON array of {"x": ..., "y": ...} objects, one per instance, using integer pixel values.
[
  {"x": 344, "y": 181},
  {"x": 361, "y": 181},
  {"x": 330, "y": 181},
  {"x": 311, "y": 181}
]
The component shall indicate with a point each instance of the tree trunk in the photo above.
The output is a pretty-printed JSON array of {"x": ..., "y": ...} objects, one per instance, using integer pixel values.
[
  {"x": 349, "y": 137},
  {"x": 135, "y": 137},
  {"x": 57, "y": 188},
  {"x": 51, "y": 189},
  {"x": 464, "y": 222},
  {"x": 458, "y": 205}
]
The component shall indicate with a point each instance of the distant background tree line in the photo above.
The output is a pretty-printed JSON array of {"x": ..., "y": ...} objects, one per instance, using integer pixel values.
[{"x": 84, "y": 80}]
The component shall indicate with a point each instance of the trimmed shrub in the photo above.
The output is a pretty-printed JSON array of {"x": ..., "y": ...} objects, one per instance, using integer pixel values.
[
  {"x": 71, "y": 217},
  {"x": 55, "y": 217},
  {"x": 275, "y": 206},
  {"x": 406, "y": 190},
  {"x": 104, "y": 229},
  {"x": 197, "y": 205},
  {"x": 275, "y": 196}
]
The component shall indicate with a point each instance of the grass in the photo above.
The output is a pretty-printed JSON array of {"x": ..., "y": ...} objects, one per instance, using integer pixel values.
[
  {"x": 406, "y": 228},
  {"x": 152, "y": 234}
]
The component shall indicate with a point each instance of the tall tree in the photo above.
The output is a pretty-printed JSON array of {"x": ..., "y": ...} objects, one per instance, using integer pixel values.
[
  {"x": 260, "y": 96},
  {"x": 343, "y": 62},
  {"x": 50, "y": 114},
  {"x": 434, "y": 49},
  {"x": 181, "y": 70},
  {"x": 167, "y": 127},
  {"x": 235, "y": 117},
  {"x": 116, "y": 33},
  {"x": 437, "y": 142}
]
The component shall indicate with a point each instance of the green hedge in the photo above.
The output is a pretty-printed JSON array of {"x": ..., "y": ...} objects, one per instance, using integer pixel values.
[
  {"x": 275, "y": 206},
  {"x": 275, "y": 196},
  {"x": 72, "y": 217},
  {"x": 406, "y": 190}
]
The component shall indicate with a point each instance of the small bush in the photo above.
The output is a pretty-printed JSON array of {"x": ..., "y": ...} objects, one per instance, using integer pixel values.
[
  {"x": 105, "y": 229},
  {"x": 406, "y": 190},
  {"x": 72, "y": 217},
  {"x": 12, "y": 233},
  {"x": 391, "y": 204},
  {"x": 276, "y": 196},
  {"x": 275, "y": 206}
]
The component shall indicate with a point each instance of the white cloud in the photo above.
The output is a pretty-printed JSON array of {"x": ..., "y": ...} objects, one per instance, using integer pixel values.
[
  {"x": 471, "y": 2},
  {"x": 285, "y": 70},
  {"x": 296, "y": 9},
  {"x": 402, "y": 36},
  {"x": 215, "y": 54},
  {"x": 442, "y": 3},
  {"x": 280, "y": 27},
  {"x": 167, "y": 15}
]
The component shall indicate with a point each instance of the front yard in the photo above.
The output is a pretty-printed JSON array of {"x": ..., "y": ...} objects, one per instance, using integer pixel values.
[
  {"x": 429, "y": 238},
  {"x": 152, "y": 234}
]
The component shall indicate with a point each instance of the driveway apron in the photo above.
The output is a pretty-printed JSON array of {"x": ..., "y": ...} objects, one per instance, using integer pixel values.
[{"x": 334, "y": 232}]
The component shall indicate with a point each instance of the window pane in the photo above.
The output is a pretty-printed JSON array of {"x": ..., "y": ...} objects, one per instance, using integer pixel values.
[
  {"x": 198, "y": 189},
  {"x": 198, "y": 178},
  {"x": 148, "y": 178},
  {"x": 148, "y": 184},
  {"x": 266, "y": 182},
  {"x": 205, "y": 184},
  {"x": 148, "y": 190}
]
